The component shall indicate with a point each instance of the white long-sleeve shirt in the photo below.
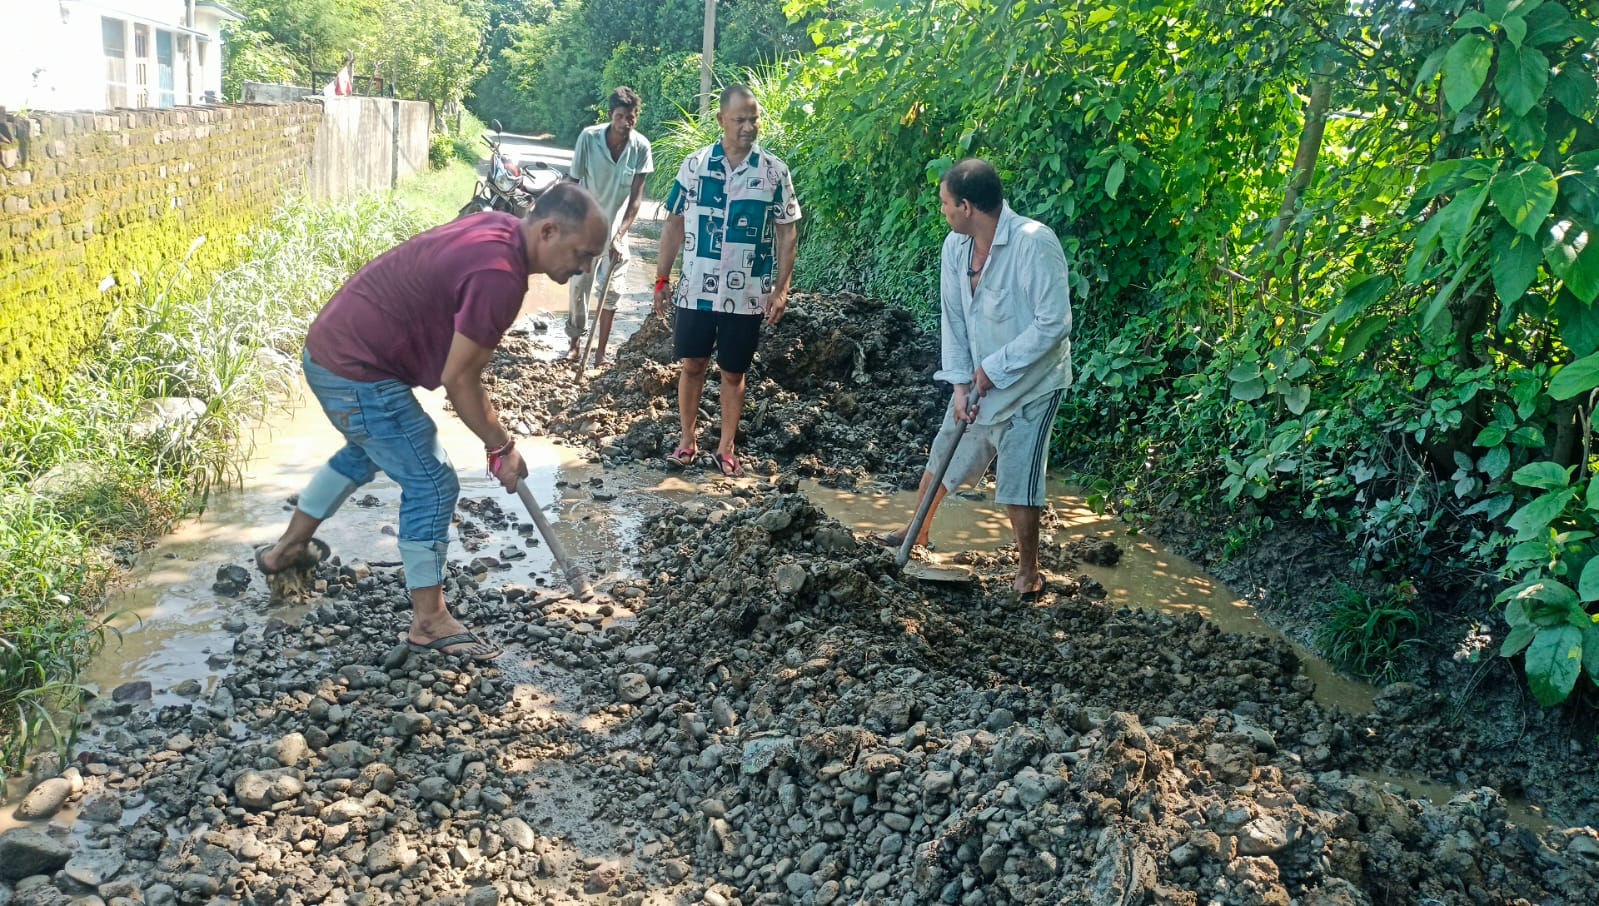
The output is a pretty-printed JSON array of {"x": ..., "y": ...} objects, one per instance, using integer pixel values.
[{"x": 1018, "y": 323}]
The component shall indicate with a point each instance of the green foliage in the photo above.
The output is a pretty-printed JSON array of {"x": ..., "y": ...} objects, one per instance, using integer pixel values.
[
  {"x": 86, "y": 465},
  {"x": 441, "y": 150},
  {"x": 1369, "y": 635},
  {"x": 563, "y": 61},
  {"x": 430, "y": 50},
  {"x": 249, "y": 54}
]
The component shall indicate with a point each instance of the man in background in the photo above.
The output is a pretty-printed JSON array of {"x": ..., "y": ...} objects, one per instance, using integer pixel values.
[{"x": 610, "y": 160}]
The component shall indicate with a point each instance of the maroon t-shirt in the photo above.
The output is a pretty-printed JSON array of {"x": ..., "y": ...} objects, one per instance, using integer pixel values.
[{"x": 398, "y": 315}]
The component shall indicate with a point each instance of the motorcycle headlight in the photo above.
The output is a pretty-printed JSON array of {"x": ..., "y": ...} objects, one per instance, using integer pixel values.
[{"x": 503, "y": 180}]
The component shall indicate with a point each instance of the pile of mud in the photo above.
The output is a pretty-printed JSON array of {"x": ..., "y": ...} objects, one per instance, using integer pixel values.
[
  {"x": 774, "y": 715},
  {"x": 841, "y": 390}
]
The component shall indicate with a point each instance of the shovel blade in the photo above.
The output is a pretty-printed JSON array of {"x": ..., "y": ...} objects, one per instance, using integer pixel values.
[{"x": 947, "y": 575}]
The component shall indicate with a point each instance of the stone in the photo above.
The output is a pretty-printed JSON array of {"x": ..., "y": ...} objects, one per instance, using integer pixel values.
[
  {"x": 775, "y": 521},
  {"x": 790, "y": 578},
  {"x": 137, "y": 691},
  {"x": 519, "y": 834},
  {"x": 93, "y": 868},
  {"x": 25, "y": 851},
  {"x": 406, "y": 724},
  {"x": 199, "y": 884},
  {"x": 602, "y": 878},
  {"x": 799, "y": 883},
  {"x": 231, "y": 580},
  {"x": 483, "y": 896},
  {"x": 104, "y": 808},
  {"x": 44, "y": 800},
  {"x": 392, "y": 853},
  {"x": 435, "y": 789},
  {"x": 260, "y": 789},
  {"x": 1263, "y": 836},
  {"x": 641, "y": 654},
  {"x": 632, "y": 687},
  {"x": 189, "y": 688},
  {"x": 291, "y": 750}
]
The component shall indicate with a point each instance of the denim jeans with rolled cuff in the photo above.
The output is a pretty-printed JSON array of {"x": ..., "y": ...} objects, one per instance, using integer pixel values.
[{"x": 385, "y": 428}]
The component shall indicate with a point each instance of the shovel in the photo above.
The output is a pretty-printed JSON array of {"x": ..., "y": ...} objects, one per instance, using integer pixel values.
[
  {"x": 599, "y": 304},
  {"x": 923, "y": 571},
  {"x": 571, "y": 571}
]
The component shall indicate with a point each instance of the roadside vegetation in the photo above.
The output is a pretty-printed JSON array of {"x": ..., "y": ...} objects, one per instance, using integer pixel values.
[{"x": 153, "y": 422}]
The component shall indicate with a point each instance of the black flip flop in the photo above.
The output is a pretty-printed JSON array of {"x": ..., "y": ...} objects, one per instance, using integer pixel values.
[
  {"x": 485, "y": 651},
  {"x": 316, "y": 551}
]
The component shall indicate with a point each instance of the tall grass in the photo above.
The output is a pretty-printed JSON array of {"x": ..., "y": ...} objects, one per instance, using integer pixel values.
[{"x": 96, "y": 464}]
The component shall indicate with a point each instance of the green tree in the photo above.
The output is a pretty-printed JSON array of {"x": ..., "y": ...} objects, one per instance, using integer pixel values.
[{"x": 251, "y": 55}]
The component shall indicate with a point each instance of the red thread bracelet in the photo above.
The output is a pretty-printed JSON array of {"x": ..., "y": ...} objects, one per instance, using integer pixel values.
[
  {"x": 495, "y": 456},
  {"x": 660, "y": 283}
]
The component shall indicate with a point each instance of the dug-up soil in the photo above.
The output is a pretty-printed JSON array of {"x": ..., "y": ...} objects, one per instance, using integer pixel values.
[
  {"x": 841, "y": 391},
  {"x": 762, "y": 710}
]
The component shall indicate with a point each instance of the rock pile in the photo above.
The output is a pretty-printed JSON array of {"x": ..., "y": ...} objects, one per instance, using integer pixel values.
[
  {"x": 841, "y": 390},
  {"x": 774, "y": 715}
]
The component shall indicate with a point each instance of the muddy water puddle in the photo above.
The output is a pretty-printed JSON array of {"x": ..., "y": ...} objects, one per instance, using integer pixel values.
[{"x": 1148, "y": 577}]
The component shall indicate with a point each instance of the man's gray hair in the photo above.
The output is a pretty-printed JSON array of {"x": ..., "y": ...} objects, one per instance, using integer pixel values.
[
  {"x": 733, "y": 92},
  {"x": 566, "y": 203}
]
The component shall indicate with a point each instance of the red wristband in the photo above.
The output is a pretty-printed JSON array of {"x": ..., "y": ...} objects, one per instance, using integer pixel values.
[
  {"x": 661, "y": 282},
  {"x": 496, "y": 456}
]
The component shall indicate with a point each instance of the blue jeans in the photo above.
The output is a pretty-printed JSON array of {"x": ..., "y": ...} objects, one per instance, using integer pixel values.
[{"x": 385, "y": 428}]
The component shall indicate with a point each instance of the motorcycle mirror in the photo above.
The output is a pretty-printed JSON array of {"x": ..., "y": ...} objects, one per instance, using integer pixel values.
[{"x": 498, "y": 127}]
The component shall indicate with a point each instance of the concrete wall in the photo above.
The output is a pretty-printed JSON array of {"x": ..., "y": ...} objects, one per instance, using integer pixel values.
[
  {"x": 368, "y": 143},
  {"x": 89, "y": 196}
]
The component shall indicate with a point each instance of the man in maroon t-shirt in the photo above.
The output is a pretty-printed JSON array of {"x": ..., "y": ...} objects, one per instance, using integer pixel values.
[{"x": 428, "y": 313}]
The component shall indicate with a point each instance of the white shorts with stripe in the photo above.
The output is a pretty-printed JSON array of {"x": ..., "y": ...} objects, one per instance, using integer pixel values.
[{"x": 1018, "y": 447}]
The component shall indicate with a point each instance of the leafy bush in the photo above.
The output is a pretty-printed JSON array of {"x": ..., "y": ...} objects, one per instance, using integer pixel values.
[{"x": 441, "y": 150}]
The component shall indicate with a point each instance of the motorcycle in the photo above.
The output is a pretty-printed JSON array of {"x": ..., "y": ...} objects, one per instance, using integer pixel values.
[{"x": 508, "y": 187}]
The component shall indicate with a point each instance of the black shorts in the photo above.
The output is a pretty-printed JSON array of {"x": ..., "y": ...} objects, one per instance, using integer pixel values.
[{"x": 732, "y": 336}]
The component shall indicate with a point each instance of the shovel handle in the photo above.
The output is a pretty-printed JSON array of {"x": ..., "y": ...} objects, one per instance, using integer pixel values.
[
  {"x": 572, "y": 573},
  {"x": 926, "y": 504}
]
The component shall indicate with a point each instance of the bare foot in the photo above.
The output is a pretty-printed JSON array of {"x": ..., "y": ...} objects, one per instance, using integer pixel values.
[{"x": 1028, "y": 583}]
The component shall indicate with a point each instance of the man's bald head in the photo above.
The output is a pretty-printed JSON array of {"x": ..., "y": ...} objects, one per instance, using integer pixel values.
[
  {"x": 565, "y": 231},
  {"x": 568, "y": 204}
]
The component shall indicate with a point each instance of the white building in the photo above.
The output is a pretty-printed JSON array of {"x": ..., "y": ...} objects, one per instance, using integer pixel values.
[{"x": 100, "y": 54}]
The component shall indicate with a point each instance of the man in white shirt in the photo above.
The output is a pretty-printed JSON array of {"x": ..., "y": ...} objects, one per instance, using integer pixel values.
[
  {"x": 1006, "y": 323},
  {"x": 610, "y": 160}
]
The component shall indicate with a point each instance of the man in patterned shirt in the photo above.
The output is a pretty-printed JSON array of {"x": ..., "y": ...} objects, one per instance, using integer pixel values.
[{"x": 733, "y": 215}]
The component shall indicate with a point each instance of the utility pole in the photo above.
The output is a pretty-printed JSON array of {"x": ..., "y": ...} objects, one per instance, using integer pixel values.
[{"x": 707, "y": 57}]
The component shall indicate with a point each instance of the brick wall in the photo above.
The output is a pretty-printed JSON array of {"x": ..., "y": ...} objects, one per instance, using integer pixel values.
[{"x": 90, "y": 196}]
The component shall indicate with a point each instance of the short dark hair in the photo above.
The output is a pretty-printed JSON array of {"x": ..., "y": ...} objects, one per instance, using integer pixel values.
[
  {"x": 566, "y": 203},
  {"x": 624, "y": 96},
  {"x": 975, "y": 180},
  {"x": 735, "y": 91}
]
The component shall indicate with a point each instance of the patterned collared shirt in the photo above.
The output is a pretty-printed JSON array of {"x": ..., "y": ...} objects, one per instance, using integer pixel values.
[{"x": 729, "y": 229}]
